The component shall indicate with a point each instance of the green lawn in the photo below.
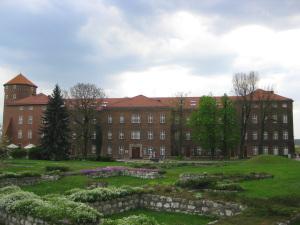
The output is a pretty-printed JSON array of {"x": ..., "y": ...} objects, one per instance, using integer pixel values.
[
  {"x": 168, "y": 218},
  {"x": 285, "y": 184}
]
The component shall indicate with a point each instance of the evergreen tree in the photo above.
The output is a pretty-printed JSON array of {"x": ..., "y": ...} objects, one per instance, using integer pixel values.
[
  {"x": 204, "y": 124},
  {"x": 228, "y": 126},
  {"x": 55, "y": 130}
]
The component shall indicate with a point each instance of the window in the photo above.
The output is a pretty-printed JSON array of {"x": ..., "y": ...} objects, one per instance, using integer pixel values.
[
  {"x": 14, "y": 96},
  {"x": 274, "y": 118},
  {"x": 94, "y": 135},
  {"x": 93, "y": 149},
  {"x": 188, "y": 136},
  {"x": 246, "y": 136},
  {"x": 275, "y": 150},
  {"x": 135, "y": 135},
  {"x": 122, "y": 119},
  {"x": 188, "y": 119},
  {"x": 94, "y": 121},
  {"x": 6, "y": 96},
  {"x": 150, "y": 118},
  {"x": 29, "y": 134},
  {"x": 30, "y": 107},
  {"x": 150, "y": 135},
  {"x": 275, "y": 135},
  {"x": 150, "y": 150},
  {"x": 42, "y": 135},
  {"x": 285, "y": 118},
  {"x": 266, "y": 135},
  {"x": 254, "y": 118},
  {"x": 266, "y": 149},
  {"x": 21, "y": 108},
  {"x": 177, "y": 119},
  {"x": 109, "y": 119},
  {"x": 44, "y": 108},
  {"x": 255, "y": 105},
  {"x": 74, "y": 136},
  {"x": 162, "y": 150},
  {"x": 285, "y": 135},
  {"x": 121, "y": 135},
  {"x": 198, "y": 150},
  {"x": 6, "y": 87},
  {"x": 284, "y": 105},
  {"x": 20, "y": 134},
  {"x": 254, "y": 135},
  {"x": 285, "y": 150},
  {"x": 14, "y": 86},
  {"x": 135, "y": 118},
  {"x": 20, "y": 120},
  {"x": 109, "y": 135},
  {"x": 29, "y": 119},
  {"x": 162, "y": 118},
  {"x": 109, "y": 150},
  {"x": 274, "y": 105},
  {"x": 121, "y": 150},
  {"x": 162, "y": 135},
  {"x": 255, "y": 150}
]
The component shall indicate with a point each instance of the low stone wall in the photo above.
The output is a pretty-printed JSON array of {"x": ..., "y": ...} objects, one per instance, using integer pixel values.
[
  {"x": 10, "y": 219},
  {"x": 24, "y": 181},
  {"x": 168, "y": 204},
  {"x": 117, "y": 205},
  {"x": 203, "y": 207}
]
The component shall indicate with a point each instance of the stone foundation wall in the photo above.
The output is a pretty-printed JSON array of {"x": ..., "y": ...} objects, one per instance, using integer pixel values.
[
  {"x": 24, "y": 181},
  {"x": 117, "y": 205},
  {"x": 21, "y": 181},
  {"x": 168, "y": 204},
  {"x": 10, "y": 219},
  {"x": 205, "y": 207}
]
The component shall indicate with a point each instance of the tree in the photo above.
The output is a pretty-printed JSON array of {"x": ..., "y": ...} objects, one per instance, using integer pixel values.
[
  {"x": 179, "y": 123},
  {"x": 55, "y": 129},
  {"x": 85, "y": 100},
  {"x": 204, "y": 124},
  {"x": 244, "y": 86},
  {"x": 98, "y": 141},
  {"x": 228, "y": 126}
]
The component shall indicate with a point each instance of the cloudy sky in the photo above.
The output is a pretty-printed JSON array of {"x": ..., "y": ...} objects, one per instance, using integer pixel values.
[{"x": 152, "y": 47}]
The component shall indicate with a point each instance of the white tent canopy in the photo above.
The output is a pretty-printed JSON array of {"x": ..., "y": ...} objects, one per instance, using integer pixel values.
[
  {"x": 29, "y": 146},
  {"x": 12, "y": 146}
]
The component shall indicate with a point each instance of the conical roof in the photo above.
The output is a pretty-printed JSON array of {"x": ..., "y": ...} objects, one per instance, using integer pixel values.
[{"x": 20, "y": 79}]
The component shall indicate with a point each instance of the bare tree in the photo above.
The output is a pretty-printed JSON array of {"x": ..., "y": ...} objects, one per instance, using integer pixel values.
[
  {"x": 244, "y": 86},
  {"x": 179, "y": 122},
  {"x": 85, "y": 99}
]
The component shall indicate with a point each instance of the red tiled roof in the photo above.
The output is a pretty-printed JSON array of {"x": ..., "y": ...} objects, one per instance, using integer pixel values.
[
  {"x": 260, "y": 94},
  {"x": 137, "y": 101},
  {"x": 40, "y": 99},
  {"x": 20, "y": 79}
]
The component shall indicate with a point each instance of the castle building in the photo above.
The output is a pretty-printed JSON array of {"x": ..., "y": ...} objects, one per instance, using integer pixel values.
[{"x": 143, "y": 127}]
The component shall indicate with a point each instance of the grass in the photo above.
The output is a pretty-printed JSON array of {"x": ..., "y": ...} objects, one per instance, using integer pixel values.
[
  {"x": 168, "y": 218},
  {"x": 285, "y": 184}
]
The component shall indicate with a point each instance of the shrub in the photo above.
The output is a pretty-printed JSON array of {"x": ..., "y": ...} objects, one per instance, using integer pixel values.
[
  {"x": 132, "y": 220},
  {"x": 144, "y": 165},
  {"x": 53, "y": 209},
  {"x": 18, "y": 153},
  {"x": 102, "y": 194},
  {"x": 59, "y": 168},
  {"x": 35, "y": 153},
  {"x": 19, "y": 175}
]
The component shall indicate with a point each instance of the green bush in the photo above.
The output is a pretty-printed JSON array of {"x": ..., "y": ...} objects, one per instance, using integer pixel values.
[
  {"x": 59, "y": 168},
  {"x": 132, "y": 220},
  {"x": 101, "y": 194},
  {"x": 19, "y": 175},
  {"x": 35, "y": 153},
  {"x": 18, "y": 153},
  {"x": 53, "y": 209}
]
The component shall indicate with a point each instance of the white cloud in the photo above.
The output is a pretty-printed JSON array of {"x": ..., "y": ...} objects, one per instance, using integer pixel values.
[{"x": 167, "y": 81}]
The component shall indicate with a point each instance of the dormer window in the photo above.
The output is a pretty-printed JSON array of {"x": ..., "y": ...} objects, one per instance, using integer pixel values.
[{"x": 14, "y": 96}]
